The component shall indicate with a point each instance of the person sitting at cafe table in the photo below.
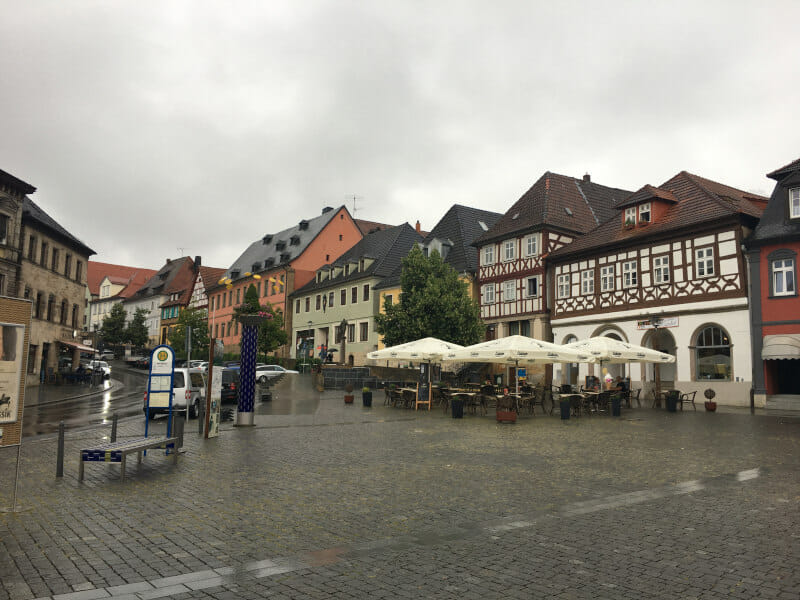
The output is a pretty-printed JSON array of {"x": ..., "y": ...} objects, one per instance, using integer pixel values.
[{"x": 621, "y": 384}]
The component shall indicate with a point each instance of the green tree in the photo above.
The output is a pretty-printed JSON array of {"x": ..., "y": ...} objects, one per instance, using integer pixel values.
[
  {"x": 136, "y": 333},
  {"x": 271, "y": 334},
  {"x": 113, "y": 328},
  {"x": 433, "y": 302},
  {"x": 197, "y": 321}
]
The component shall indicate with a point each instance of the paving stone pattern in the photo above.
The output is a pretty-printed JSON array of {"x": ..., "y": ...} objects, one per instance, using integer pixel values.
[{"x": 349, "y": 502}]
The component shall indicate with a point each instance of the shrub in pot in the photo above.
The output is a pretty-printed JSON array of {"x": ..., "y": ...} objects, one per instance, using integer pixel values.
[
  {"x": 348, "y": 393},
  {"x": 710, "y": 404},
  {"x": 366, "y": 396}
]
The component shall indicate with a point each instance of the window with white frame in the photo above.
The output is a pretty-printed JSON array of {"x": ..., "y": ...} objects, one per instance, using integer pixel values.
[
  {"x": 563, "y": 286},
  {"x": 660, "y": 269},
  {"x": 644, "y": 212},
  {"x": 488, "y": 254},
  {"x": 629, "y": 274},
  {"x": 509, "y": 291},
  {"x": 587, "y": 282},
  {"x": 488, "y": 294},
  {"x": 783, "y": 277},
  {"x": 532, "y": 287},
  {"x": 704, "y": 261},
  {"x": 508, "y": 249},
  {"x": 794, "y": 203},
  {"x": 532, "y": 245},
  {"x": 630, "y": 215},
  {"x": 607, "y": 278}
]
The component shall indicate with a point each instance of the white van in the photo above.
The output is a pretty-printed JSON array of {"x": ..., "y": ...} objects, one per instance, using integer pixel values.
[{"x": 188, "y": 388}]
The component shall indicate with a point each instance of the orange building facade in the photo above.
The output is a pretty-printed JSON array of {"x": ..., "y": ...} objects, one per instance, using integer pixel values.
[{"x": 276, "y": 265}]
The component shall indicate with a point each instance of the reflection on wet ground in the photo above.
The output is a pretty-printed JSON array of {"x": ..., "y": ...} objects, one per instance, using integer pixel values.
[{"x": 292, "y": 395}]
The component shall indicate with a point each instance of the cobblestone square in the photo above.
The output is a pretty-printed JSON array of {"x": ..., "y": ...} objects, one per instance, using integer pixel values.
[{"x": 323, "y": 500}]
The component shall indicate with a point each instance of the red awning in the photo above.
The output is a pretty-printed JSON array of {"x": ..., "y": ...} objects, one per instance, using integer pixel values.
[{"x": 78, "y": 346}]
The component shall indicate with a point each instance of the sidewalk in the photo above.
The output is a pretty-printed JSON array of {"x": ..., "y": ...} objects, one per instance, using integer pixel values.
[{"x": 51, "y": 392}]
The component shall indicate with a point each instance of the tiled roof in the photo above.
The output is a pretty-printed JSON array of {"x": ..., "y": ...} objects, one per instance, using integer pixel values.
[
  {"x": 648, "y": 192},
  {"x": 699, "y": 201},
  {"x": 774, "y": 224},
  {"x": 785, "y": 170},
  {"x": 462, "y": 226},
  {"x": 120, "y": 274},
  {"x": 577, "y": 205},
  {"x": 277, "y": 249},
  {"x": 369, "y": 226},
  {"x": 16, "y": 183},
  {"x": 32, "y": 211},
  {"x": 211, "y": 275},
  {"x": 164, "y": 281},
  {"x": 386, "y": 247}
]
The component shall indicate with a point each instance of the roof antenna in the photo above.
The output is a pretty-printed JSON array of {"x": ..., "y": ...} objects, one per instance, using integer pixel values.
[
  {"x": 180, "y": 251},
  {"x": 354, "y": 197}
]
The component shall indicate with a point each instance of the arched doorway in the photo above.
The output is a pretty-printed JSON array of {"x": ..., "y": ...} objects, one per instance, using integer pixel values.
[
  {"x": 613, "y": 369},
  {"x": 662, "y": 340}
]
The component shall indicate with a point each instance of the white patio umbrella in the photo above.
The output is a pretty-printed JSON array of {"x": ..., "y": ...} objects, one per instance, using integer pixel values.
[
  {"x": 518, "y": 350},
  {"x": 606, "y": 350},
  {"x": 425, "y": 349}
]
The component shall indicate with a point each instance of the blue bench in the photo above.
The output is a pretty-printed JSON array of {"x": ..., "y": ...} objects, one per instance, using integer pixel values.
[{"x": 117, "y": 452}]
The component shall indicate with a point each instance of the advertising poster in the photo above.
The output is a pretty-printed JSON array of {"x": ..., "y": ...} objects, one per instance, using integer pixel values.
[
  {"x": 216, "y": 400},
  {"x": 11, "y": 355}
]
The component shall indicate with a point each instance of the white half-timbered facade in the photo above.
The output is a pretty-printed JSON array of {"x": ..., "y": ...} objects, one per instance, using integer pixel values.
[
  {"x": 671, "y": 277},
  {"x": 513, "y": 254}
]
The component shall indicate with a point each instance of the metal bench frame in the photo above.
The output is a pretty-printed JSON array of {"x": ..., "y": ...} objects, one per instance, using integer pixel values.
[{"x": 118, "y": 451}]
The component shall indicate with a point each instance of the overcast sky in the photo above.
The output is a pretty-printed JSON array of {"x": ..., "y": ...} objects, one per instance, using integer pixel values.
[{"x": 156, "y": 129}]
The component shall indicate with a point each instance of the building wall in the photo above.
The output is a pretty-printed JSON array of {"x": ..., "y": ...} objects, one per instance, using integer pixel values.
[
  {"x": 10, "y": 207},
  {"x": 43, "y": 281},
  {"x": 152, "y": 306},
  {"x": 732, "y": 316}
]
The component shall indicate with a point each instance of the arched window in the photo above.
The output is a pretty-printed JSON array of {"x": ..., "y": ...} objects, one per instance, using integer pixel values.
[{"x": 713, "y": 354}]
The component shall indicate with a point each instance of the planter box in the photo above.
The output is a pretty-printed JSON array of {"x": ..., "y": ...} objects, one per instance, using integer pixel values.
[
  {"x": 348, "y": 398},
  {"x": 366, "y": 398},
  {"x": 566, "y": 407},
  {"x": 457, "y": 409},
  {"x": 710, "y": 406},
  {"x": 251, "y": 320},
  {"x": 506, "y": 416}
]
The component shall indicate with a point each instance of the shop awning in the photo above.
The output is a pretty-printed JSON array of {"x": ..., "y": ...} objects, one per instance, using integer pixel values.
[
  {"x": 78, "y": 346},
  {"x": 781, "y": 347}
]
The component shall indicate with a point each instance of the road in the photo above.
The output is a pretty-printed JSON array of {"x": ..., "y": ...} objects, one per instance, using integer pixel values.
[{"x": 123, "y": 396}]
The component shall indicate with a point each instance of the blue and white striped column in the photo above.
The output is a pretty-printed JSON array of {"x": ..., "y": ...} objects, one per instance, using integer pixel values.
[{"x": 247, "y": 370}]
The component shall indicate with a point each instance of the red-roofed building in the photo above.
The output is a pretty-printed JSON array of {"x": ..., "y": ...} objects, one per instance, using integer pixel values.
[
  {"x": 109, "y": 284},
  {"x": 666, "y": 272}
]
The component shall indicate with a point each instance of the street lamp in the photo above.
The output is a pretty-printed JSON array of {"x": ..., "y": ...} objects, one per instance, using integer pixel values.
[{"x": 655, "y": 323}]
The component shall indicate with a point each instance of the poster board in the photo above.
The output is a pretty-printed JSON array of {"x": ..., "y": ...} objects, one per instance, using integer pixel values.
[
  {"x": 15, "y": 325},
  {"x": 216, "y": 401}
]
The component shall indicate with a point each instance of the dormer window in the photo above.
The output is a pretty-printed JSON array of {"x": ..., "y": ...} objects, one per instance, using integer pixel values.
[
  {"x": 256, "y": 266},
  {"x": 303, "y": 225},
  {"x": 266, "y": 239},
  {"x": 235, "y": 274},
  {"x": 285, "y": 256},
  {"x": 294, "y": 240},
  {"x": 794, "y": 203},
  {"x": 346, "y": 270},
  {"x": 644, "y": 212},
  {"x": 280, "y": 245},
  {"x": 630, "y": 216},
  {"x": 269, "y": 262}
]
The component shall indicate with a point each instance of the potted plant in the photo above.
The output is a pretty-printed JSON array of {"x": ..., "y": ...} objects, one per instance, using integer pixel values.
[
  {"x": 672, "y": 400},
  {"x": 366, "y": 396},
  {"x": 710, "y": 405},
  {"x": 505, "y": 410},
  {"x": 348, "y": 395},
  {"x": 457, "y": 407}
]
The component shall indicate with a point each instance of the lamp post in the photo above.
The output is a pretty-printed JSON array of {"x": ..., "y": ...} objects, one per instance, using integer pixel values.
[
  {"x": 655, "y": 323},
  {"x": 343, "y": 334}
]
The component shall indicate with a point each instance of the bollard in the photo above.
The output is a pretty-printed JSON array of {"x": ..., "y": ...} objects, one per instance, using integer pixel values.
[
  {"x": 752, "y": 401},
  {"x": 114, "y": 419},
  {"x": 201, "y": 417},
  {"x": 60, "y": 454}
]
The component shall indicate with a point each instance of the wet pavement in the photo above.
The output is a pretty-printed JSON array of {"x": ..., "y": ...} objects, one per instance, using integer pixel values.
[{"x": 325, "y": 500}]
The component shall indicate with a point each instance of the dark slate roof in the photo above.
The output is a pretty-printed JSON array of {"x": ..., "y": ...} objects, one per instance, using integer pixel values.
[
  {"x": 267, "y": 247},
  {"x": 699, "y": 201},
  {"x": 16, "y": 183},
  {"x": 775, "y": 222},
  {"x": 165, "y": 280},
  {"x": 559, "y": 201},
  {"x": 462, "y": 226},
  {"x": 778, "y": 174},
  {"x": 33, "y": 212},
  {"x": 386, "y": 247}
]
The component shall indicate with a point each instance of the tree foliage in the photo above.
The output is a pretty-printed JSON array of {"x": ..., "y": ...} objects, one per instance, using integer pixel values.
[
  {"x": 433, "y": 302},
  {"x": 271, "y": 334},
  {"x": 197, "y": 321},
  {"x": 136, "y": 333},
  {"x": 113, "y": 328}
]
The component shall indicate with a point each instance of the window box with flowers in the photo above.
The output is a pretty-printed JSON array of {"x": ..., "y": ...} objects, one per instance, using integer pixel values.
[{"x": 629, "y": 224}]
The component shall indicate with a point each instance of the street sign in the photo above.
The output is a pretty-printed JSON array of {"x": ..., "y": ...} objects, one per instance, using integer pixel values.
[{"x": 159, "y": 383}]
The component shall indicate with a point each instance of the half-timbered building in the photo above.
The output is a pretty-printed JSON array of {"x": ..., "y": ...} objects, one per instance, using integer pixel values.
[
  {"x": 775, "y": 305},
  {"x": 513, "y": 253},
  {"x": 668, "y": 273}
]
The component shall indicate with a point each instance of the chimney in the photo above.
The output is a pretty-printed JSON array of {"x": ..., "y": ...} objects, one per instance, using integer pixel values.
[
  {"x": 168, "y": 261},
  {"x": 197, "y": 262},
  {"x": 587, "y": 177},
  {"x": 418, "y": 228}
]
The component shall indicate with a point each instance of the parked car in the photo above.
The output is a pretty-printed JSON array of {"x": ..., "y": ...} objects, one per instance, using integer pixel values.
[
  {"x": 107, "y": 355},
  {"x": 230, "y": 386},
  {"x": 188, "y": 388},
  {"x": 266, "y": 373},
  {"x": 101, "y": 366}
]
